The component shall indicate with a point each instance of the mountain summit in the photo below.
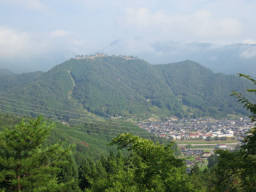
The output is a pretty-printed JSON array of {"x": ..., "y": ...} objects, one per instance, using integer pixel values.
[{"x": 114, "y": 86}]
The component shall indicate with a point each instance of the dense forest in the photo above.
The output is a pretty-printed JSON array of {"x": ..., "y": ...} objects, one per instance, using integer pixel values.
[
  {"x": 120, "y": 87},
  {"x": 35, "y": 156}
]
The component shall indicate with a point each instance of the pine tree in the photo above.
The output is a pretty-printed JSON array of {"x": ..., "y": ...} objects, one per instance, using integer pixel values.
[
  {"x": 248, "y": 148},
  {"x": 27, "y": 164}
]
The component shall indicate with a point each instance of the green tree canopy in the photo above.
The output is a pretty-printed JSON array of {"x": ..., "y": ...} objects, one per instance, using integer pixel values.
[
  {"x": 236, "y": 171},
  {"x": 28, "y": 164},
  {"x": 142, "y": 166}
]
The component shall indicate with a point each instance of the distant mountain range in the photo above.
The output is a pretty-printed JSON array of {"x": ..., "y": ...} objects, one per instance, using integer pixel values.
[
  {"x": 99, "y": 86},
  {"x": 229, "y": 58},
  {"x": 223, "y": 58}
]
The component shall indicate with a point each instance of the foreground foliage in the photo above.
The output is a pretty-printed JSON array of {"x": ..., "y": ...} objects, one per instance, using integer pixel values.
[
  {"x": 147, "y": 166},
  {"x": 236, "y": 171},
  {"x": 32, "y": 162},
  {"x": 28, "y": 164}
]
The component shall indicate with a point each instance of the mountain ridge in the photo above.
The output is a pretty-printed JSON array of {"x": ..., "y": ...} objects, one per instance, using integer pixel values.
[{"x": 109, "y": 86}]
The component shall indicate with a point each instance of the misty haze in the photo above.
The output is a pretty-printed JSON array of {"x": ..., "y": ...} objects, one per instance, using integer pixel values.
[{"x": 127, "y": 96}]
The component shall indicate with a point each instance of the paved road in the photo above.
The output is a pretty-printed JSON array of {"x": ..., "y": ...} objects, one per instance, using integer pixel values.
[{"x": 210, "y": 144}]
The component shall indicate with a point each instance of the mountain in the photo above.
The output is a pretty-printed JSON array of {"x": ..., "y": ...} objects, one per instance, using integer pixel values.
[
  {"x": 202, "y": 91},
  {"x": 225, "y": 58},
  {"x": 5, "y": 72},
  {"x": 221, "y": 58},
  {"x": 11, "y": 80},
  {"x": 92, "y": 87},
  {"x": 228, "y": 59}
]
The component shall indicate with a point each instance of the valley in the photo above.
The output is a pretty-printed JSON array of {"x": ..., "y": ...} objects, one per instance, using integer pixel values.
[
  {"x": 182, "y": 111},
  {"x": 127, "y": 96},
  {"x": 100, "y": 96},
  {"x": 104, "y": 86},
  {"x": 207, "y": 129}
]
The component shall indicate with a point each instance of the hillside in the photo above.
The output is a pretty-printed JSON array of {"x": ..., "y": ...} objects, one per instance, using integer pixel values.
[
  {"x": 202, "y": 92},
  {"x": 90, "y": 88},
  {"x": 88, "y": 139}
]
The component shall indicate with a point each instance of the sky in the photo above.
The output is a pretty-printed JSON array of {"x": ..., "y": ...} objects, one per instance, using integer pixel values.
[{"x": 37, "y": 33}]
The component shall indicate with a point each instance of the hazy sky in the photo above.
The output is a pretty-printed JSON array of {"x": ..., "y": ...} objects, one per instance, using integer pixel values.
[{"x": 57, "y": 29}]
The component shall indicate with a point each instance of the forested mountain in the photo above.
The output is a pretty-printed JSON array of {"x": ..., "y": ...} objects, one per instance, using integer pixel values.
[
  {"x": 98, "y": 86},
  {"x": 201, "y": 91},
  {"x": 11, "y": 80},
  {"x": 74, "y": 157}
]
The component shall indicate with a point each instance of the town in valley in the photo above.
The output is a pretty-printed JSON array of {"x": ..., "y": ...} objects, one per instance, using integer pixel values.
[{"x": 198, "y": 138}]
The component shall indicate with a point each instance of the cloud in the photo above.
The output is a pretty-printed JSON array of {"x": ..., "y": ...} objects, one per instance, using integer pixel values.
[
  {"x": 13, "y": 43},
  {"x": 249, "y": 42},
  {"x": 249, "y": 53},
  {"x": 26, "y": 51},
  {"x": 59, "y": 33},
  {"x": 200, "y": 25},
  {"x": 20, "y": 46},
  {"x": 29, "y": 4}
]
